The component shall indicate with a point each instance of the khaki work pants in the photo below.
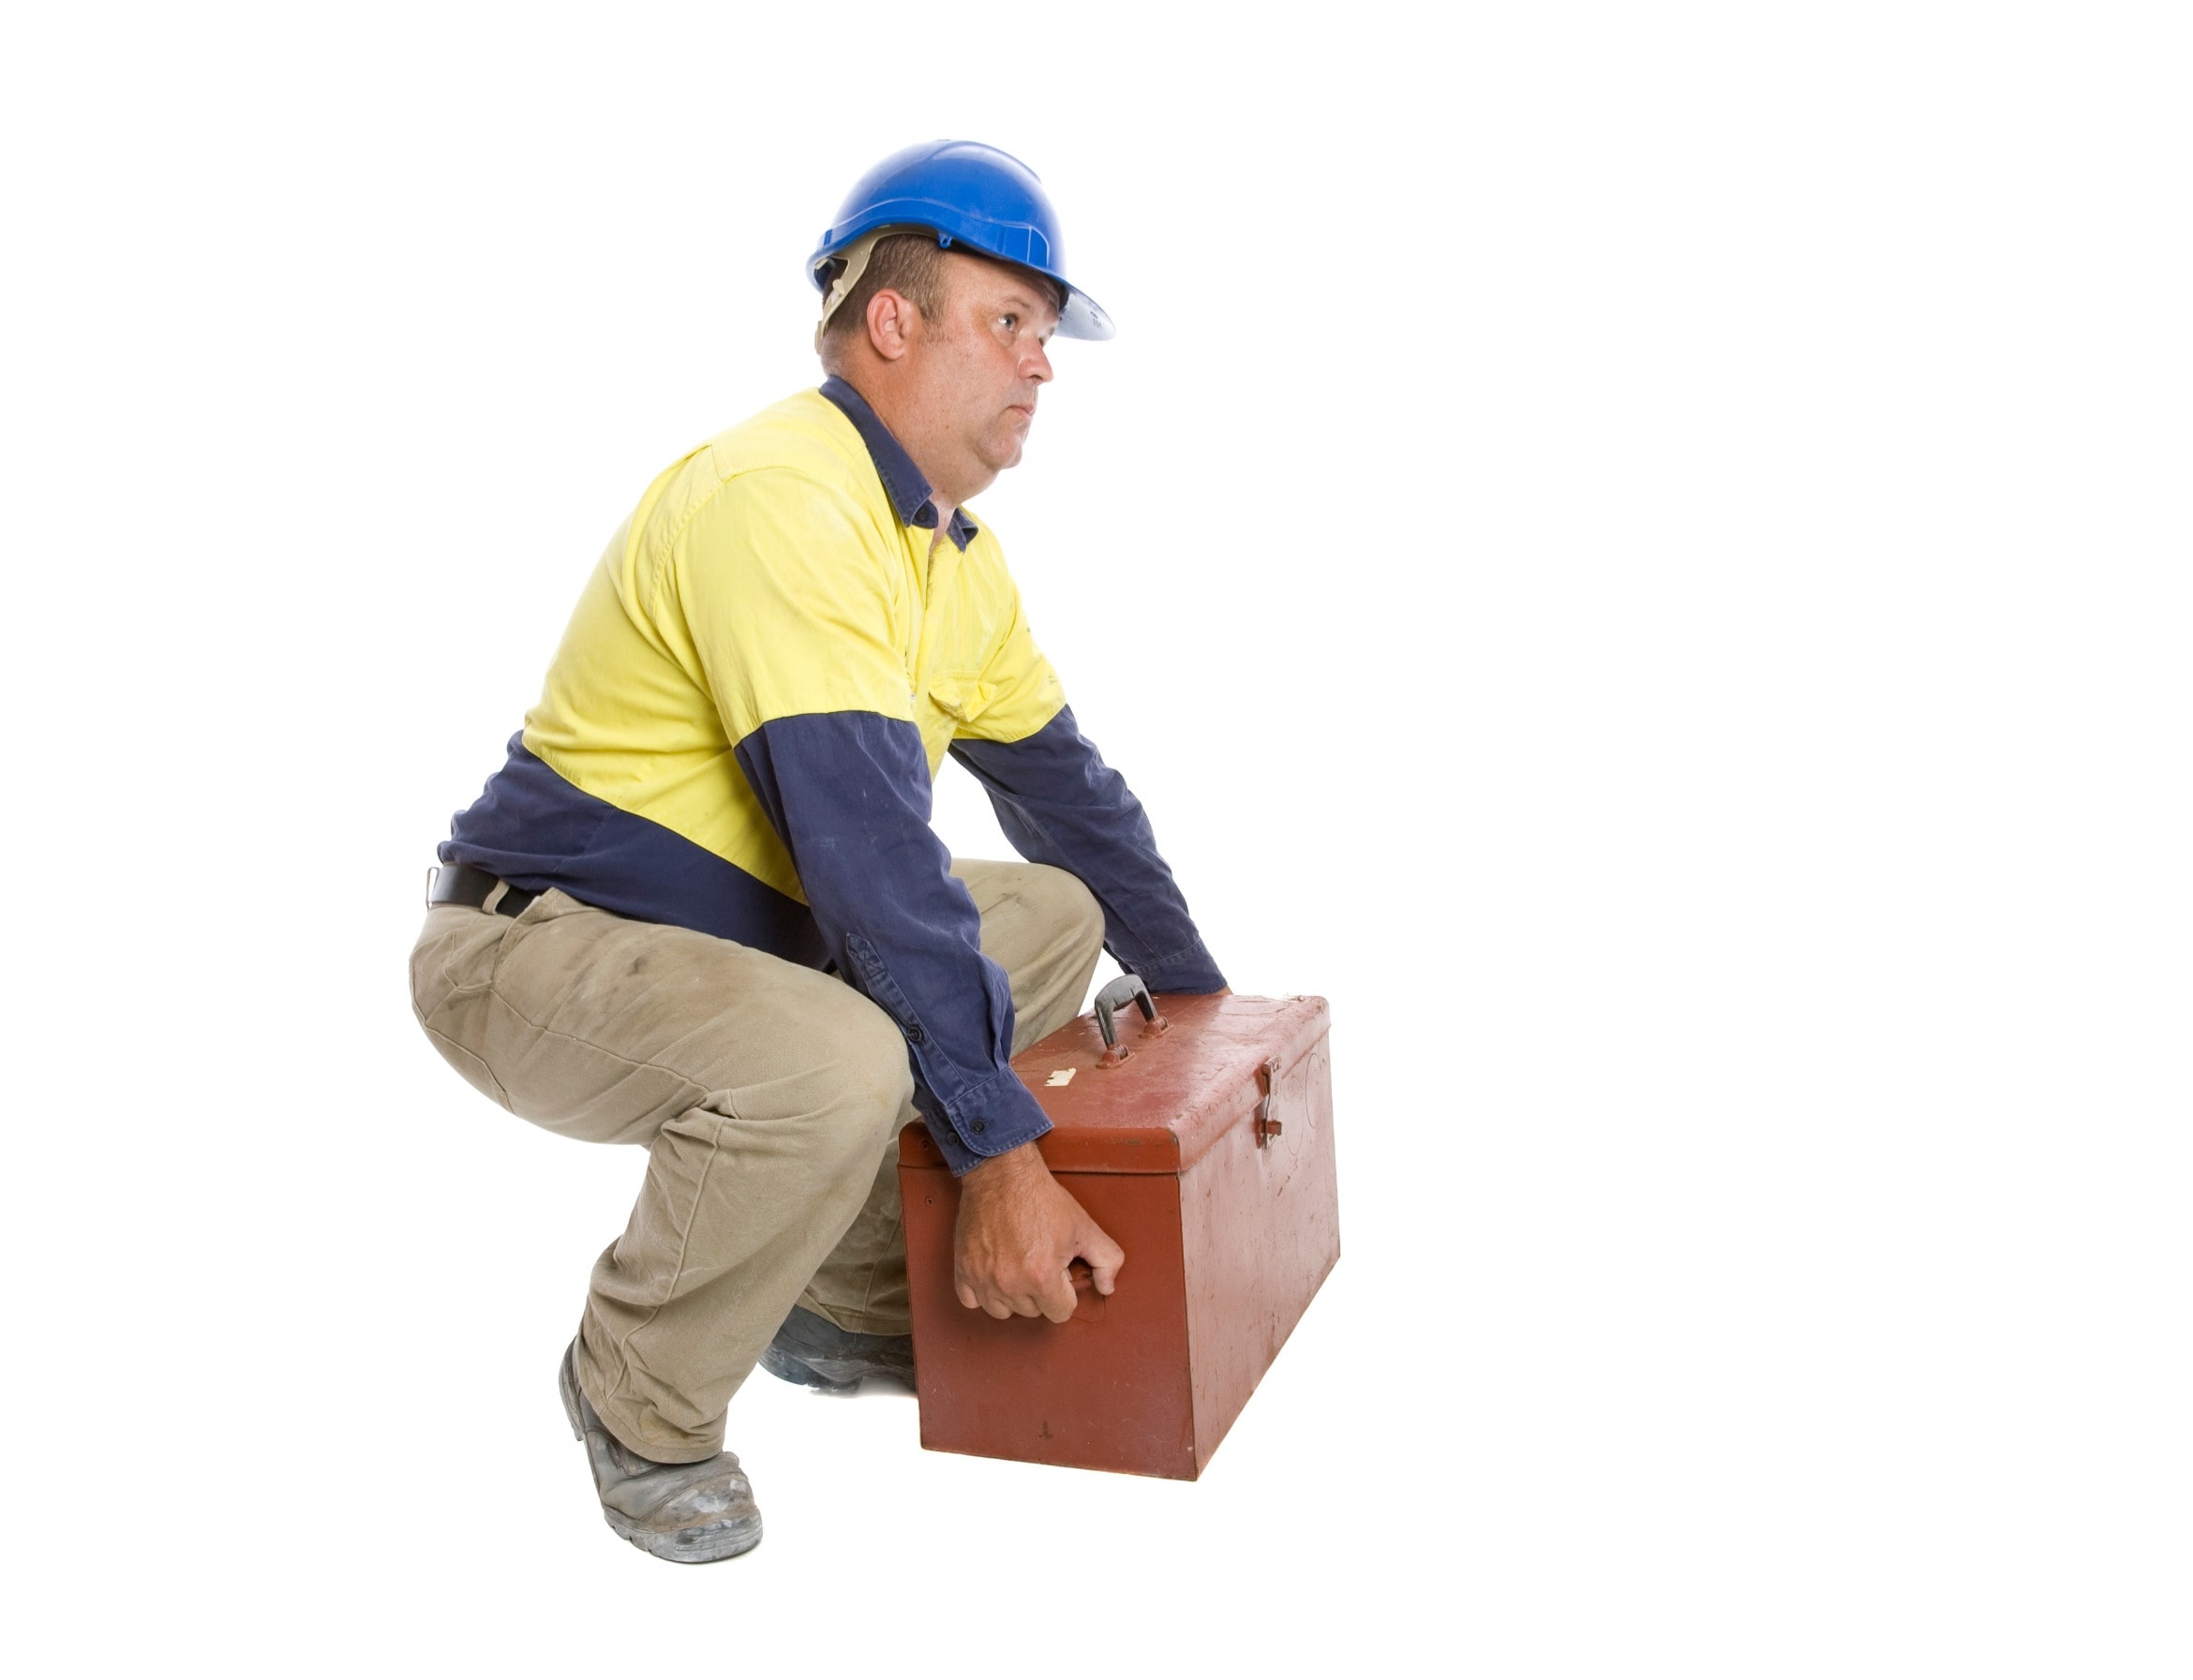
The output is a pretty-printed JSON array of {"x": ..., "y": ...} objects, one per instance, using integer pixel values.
[{"x": 768, "y": 1098}]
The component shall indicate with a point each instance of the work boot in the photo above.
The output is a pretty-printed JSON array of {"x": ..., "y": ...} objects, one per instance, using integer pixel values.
[
  {"x": 811, "y": 1350},
  {"x": 688, "y": 1513}
]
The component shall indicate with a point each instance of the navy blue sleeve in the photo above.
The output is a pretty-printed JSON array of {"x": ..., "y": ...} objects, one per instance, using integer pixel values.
[
  {"x": 849, "y": 793},
  {"x": 1061, "y": 804}
]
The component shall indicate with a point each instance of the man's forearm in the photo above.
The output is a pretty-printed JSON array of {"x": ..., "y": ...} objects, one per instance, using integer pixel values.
[{"x": 1059, "y": 803}]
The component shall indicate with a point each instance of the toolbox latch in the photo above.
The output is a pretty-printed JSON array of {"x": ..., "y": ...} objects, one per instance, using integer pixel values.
[{"x": 1268, "y": 1126}]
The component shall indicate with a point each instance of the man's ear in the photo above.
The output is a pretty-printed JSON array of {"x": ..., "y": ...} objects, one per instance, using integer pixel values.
[{"x": 892, "y": 324}]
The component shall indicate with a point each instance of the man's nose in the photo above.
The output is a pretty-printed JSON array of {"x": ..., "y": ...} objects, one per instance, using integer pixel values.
[{"x": 1036, "y": 365}]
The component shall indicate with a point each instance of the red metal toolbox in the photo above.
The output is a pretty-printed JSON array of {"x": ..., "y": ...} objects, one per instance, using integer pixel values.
[{"x": 1203, "y": 1144}]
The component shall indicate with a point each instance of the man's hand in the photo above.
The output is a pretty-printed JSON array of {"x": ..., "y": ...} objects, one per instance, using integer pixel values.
[{"x": 1017, "y": 1233}]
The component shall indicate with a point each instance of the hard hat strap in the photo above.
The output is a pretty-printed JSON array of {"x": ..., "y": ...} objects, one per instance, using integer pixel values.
[{"x": 855, "y": 258}]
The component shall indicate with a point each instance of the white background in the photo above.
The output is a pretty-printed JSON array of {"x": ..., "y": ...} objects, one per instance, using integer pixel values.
[{"x": 1639, "y": 551}]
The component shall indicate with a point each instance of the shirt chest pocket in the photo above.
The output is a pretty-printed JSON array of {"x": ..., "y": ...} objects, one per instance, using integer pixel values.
[
  {"x": 963, "y": 699},
  {"x": 946, "y": 707}
]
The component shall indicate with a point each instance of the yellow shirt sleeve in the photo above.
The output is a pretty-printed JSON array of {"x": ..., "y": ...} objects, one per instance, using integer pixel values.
[{"x": 795, "y": 601}]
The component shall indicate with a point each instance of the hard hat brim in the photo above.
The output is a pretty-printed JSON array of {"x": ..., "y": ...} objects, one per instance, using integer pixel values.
[{"x": 1083, "y": 316}]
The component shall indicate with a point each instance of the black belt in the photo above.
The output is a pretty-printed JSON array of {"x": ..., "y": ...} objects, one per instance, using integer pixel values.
[{"x": 462, "y": 884}]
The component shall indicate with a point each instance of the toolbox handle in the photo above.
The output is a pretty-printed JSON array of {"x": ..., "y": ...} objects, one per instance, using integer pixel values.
[
  {"x": 1088, "y": 1304},
  {"x": 1127, "y": 988}
]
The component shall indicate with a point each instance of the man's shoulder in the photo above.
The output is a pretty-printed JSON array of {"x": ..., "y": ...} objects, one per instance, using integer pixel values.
[
  {"x": 805, "y": 433},
  {"x": 803, "y": 444}
]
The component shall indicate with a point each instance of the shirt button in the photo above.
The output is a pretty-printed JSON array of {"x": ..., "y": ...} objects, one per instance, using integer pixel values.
[{"x": 981, "y": 1126}]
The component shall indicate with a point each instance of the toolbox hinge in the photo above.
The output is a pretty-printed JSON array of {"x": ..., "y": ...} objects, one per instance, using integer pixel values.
[{"x": 1268, "y": 1126}]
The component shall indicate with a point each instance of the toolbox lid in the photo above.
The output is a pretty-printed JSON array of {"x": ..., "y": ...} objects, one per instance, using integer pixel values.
[{"x": 1176, "y": 1092}]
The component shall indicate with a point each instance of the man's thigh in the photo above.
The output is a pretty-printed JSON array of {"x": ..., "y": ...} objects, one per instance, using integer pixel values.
[
  {"x": 603, "y": 1027},
  {"x": 1045, "y": 930}
]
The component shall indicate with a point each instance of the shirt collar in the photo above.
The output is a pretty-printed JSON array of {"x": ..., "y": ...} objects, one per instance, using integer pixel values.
[{"x": 901, "y": 480}]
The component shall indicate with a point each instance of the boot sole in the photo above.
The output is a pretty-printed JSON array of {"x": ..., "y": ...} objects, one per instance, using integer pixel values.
[
  {"x": 788, "y": 1369},
  {"x": 689, "y": 1545}
]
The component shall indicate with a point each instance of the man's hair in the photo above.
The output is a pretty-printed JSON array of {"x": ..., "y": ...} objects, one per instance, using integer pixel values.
[
  {"x": 910, "y": 264},
  {"x": 913, "y": 265}
]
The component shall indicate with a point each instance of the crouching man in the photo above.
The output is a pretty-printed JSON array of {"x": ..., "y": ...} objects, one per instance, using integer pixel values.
[{"x": 700, "y": 907}]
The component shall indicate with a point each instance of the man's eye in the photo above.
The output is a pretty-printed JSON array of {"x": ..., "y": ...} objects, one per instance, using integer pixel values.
[{"x": 1012, "y": 323}]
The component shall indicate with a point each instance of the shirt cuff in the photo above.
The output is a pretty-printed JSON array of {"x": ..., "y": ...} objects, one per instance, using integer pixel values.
[
  {"x": 1186, "y": 969},
  {"x": 984, "y": 1120}
]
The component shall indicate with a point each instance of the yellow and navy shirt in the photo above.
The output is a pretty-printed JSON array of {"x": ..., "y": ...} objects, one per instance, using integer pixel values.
[{"x": 741, "y": 729}]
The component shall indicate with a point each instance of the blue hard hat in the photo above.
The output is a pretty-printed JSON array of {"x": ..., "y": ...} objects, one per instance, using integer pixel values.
[{"x": 975, "y": 198}]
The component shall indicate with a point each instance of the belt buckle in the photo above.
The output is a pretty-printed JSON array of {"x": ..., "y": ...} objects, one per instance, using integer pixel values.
[{"x": 433, "y": 874}]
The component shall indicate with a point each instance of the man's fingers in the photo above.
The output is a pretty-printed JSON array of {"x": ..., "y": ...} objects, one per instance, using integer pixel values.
[
  {"x": 1056, "y": 1302},
  {"x": 981, "y": 1292},
  {"x": 1003, "y": 1300},
  {"x": 1105, "y": 1258}
]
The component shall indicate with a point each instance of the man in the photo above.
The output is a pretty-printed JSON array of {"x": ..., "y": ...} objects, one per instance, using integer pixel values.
[{"x": 701, "y": 908}]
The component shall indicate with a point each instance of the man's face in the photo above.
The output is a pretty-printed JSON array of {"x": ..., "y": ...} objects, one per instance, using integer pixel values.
[{"x": 980, "y": 364}]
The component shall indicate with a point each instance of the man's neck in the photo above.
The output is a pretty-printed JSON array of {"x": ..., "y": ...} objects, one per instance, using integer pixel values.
[{"x": 895, "y": 408}]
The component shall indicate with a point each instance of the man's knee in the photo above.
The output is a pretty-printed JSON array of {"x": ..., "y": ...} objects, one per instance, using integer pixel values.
[
  {"x": 1063, "y": 911},
  {"x": 1081, "y": 915},
  {"x": 803, "y": 1059},
  {"x": 870, "y": 1061}
]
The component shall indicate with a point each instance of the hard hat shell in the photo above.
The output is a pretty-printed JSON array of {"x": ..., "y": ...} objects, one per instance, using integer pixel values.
[{"x": 971, "y": 197}]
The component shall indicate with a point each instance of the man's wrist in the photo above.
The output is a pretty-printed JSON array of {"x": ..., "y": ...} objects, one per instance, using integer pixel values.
[{"x": 1016, "y": 1165}]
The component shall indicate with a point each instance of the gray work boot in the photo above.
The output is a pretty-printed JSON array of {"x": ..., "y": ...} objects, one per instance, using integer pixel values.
[
  {"x": 688, "y": 1513},
  {"x": 811, "y": 1350}
]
